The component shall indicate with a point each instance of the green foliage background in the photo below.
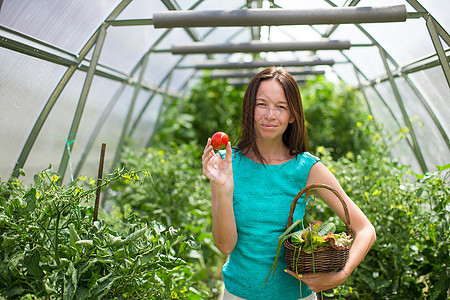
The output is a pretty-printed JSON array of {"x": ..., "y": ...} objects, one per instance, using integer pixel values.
[
  {"x": 154, "y": 240},
  {"x": 212, "y": 106},
  {"x": 51, "y": 248},
  {"x": 332, "y": 112}
]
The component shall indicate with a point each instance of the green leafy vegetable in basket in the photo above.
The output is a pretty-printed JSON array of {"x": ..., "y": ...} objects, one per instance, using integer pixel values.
[{"x": 318, "y": 235}]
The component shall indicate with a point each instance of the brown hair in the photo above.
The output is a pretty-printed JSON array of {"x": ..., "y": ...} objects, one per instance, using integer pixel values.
[{"x": 295, "y": 137}]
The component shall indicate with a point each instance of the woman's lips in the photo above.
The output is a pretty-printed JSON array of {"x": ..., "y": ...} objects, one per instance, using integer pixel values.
[{"x": 268, "y": 126}]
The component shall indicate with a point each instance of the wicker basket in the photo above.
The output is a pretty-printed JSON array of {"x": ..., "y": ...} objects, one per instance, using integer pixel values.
[{"x": 325, "y": 259}]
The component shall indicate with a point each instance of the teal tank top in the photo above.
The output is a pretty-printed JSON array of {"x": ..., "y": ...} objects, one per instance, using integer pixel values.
[{"x": 261, "y": 201}]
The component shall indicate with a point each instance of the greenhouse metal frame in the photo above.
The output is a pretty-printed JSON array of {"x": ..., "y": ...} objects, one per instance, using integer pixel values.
[{"x": 61, "y": 49}]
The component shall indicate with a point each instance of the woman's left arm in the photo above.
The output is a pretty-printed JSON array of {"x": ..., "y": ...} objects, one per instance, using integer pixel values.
[{"x": 363, "y": 230}]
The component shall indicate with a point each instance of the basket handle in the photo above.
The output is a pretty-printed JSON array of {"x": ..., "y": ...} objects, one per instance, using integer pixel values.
[{"x": 316, "y": 186}]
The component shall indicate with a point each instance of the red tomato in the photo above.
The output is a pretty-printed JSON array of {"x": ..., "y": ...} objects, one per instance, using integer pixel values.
[{"x": 219, "y": 140}]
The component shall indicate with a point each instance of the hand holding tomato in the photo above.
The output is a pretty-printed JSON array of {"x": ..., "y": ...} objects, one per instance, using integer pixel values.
[{"x": 215, "y": 168}]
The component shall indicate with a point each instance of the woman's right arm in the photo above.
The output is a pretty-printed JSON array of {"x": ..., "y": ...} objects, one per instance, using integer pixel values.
[{"x": 220, "y": 173}]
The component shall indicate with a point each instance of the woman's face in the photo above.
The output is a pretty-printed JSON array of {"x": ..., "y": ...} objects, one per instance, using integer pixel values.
[{"x": 272, "y": 114}]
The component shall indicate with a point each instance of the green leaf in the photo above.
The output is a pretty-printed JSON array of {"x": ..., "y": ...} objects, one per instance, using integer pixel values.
[
  {"x": 135, "y": 235},
  {"x": 102, "y": 286},
  {"x": 443, "y": 168},
  {"x": 33, "y": 266},
  {"x": 82, "y": 293},
  {"x": 13, "y": 291},
  {"x": 30, "y": 198},
  {"x": 14, "y": 262},
  {"x": 70, "y": 282},
  {"x": 297, "y": 238},
  {"x": 73, "y": 234},
  {"x": 86, "y": 243}
]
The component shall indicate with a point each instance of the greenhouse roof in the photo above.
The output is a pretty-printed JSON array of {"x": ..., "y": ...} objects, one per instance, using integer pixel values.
[{"x": 79, "y": 73}]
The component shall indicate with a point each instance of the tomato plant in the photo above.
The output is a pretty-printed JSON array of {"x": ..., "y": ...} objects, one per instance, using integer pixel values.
[
  {"x": 52, "y": 248},
  {"x": 410, "y": 212}
]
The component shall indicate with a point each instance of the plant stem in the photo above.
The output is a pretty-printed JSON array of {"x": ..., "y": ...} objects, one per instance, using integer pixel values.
[{"x": 56, "y": 244}]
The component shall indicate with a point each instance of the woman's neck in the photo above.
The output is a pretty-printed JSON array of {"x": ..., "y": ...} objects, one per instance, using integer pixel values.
[{"x": 272, "y": 152}]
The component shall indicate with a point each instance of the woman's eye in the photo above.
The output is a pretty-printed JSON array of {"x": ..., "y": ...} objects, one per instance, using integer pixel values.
[{"x": 281, "y": 107}]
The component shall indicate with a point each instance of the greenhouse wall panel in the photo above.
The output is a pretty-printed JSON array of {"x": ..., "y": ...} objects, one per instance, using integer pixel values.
[
  {"x": 434, "y": 88},
  {"x": 66, "y": 24}
]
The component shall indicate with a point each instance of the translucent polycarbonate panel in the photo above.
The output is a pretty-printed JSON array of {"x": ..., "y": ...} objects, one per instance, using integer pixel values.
[
  {"x": 142, "y": 104},
  {"x": 378, "y": 3},
  {"x": 439, "y": 9},
  {"x": 335, "y": 55},
  {"x": 201, "y": 32},
  {"x": 53, "y": 137},
  {"x": 280, "y": 56},
  {"x": 427, "y": 134},
  {"x": 380, "y": 109},
  {"x": 390, "y": 131},
  {"x": 402, "y": 152},
  {"x": 350, "y": 33},
  {"x": 141, "y": 100},
  {"x": 432, "y": 85},
  {"x": 234, "y": 57},
  {"x": 179, "y": 79},
  {"x": 395, "y": 38},
  {"x": 99, "y": 98},
  {"x": 346, "y": 72},
  {"x": 176, "y": 36},
  {"x": 222, "y": 5},
  {"x": 146, "y": 126},
  {"x": 306, "y": 4},
  {"x": 368, "y": 60},
  {"x": 66, "y": 24},
  {"x": 387, "y": 93},
  {"x": 141, "y": 9},
  {"x": 192, "y": 60},
  {"x": 125, "y": 46},
  {"x": 26, "y": 84},
  {"x": 159, "y": 66},
  {"x": 187, "y": 4},
  {"x": 293, "y": 33},
  {"x": 338, "y": 2},
  {"x": 228, "y": 34},
  {"x": 110, "y": 131},
  {"x": 299, "y": 4}
]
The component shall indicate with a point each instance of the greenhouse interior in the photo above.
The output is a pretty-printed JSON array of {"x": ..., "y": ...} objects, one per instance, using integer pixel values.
[{"x": 107, "y": 106}]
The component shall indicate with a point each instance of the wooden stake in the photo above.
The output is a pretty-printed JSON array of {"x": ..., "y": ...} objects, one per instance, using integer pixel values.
[{"x": 99, "y": 180}]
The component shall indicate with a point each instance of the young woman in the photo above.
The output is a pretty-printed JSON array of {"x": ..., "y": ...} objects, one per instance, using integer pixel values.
[{"x": 253, "y": 186}]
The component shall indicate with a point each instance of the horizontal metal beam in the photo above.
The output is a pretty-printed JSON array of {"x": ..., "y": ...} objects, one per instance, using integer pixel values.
[
  {"x": 259, "y": 64},
  {"x": 252, "y": 74},
  {"x": 417, "y": 66},
  {"x": 130, "y": 22},
  {"x": 24, "y": 44},
  {"x": 277, "y": 16},
  {"x": 258, "y": 46}
]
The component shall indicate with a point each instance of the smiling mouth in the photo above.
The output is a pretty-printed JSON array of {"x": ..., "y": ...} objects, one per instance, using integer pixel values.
[{"x": 268, "y": 126}]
